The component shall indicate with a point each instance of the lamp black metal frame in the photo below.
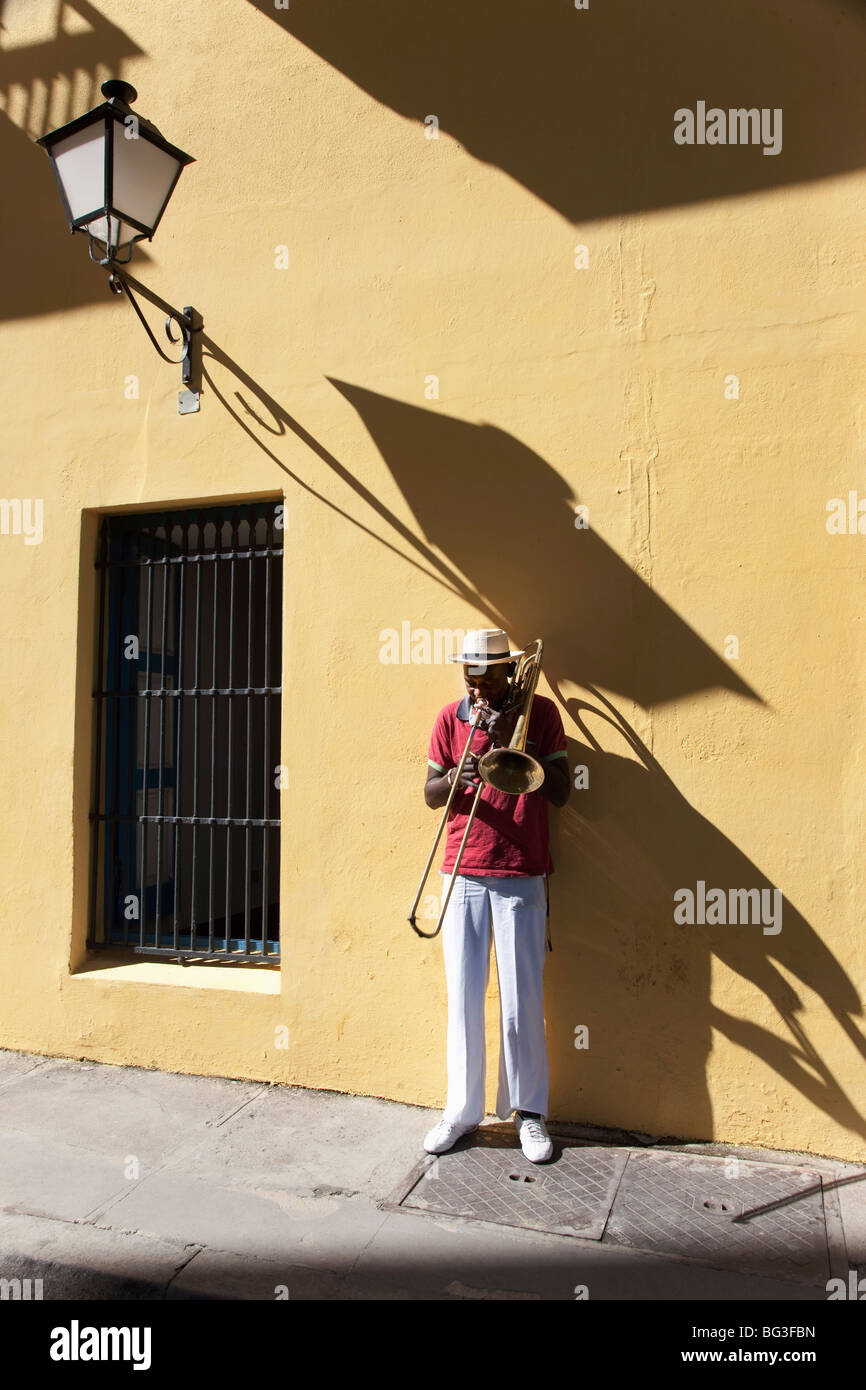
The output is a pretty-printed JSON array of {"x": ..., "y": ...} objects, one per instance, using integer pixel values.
[{"x": 116, "y": 111}]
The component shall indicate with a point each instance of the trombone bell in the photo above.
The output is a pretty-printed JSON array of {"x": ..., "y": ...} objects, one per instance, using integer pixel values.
[{"x": 509, "y": 770}]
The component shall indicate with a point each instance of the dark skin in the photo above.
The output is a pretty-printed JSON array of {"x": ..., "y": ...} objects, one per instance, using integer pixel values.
[{"x": 489, "y": 685}]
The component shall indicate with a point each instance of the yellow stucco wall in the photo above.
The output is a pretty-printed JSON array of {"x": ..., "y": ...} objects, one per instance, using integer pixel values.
[{"x": 606, "y": 386}]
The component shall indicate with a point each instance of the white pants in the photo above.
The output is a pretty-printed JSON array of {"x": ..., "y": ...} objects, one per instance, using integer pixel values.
[{"x": 518, "y": 907}]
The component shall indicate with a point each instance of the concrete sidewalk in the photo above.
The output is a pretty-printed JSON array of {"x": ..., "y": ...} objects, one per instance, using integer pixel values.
[{"x": 121, "y": 1183}]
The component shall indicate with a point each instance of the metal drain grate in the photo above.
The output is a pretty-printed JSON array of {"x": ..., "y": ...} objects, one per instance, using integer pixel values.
[
  {"x": 488, "y": 1178},
  {"x": 769, "y": 1219}
]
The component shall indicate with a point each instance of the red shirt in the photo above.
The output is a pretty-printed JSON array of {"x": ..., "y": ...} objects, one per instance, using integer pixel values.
[{"x": 509, "y": 835}]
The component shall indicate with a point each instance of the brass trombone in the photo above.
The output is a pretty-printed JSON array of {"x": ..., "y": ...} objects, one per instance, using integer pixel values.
[{"x": 510, "y": 769}]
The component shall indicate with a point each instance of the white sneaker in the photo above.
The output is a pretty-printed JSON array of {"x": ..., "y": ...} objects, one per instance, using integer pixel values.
[
  {"x": 534, "y": 1138},
  {"x": 444, "y": 1136}
]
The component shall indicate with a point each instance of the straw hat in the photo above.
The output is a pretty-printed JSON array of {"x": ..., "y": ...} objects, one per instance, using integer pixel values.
[{"x": 488, "y": 646}]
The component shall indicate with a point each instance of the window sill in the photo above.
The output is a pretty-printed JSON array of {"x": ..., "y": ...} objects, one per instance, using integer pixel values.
[{"x": 112, "y": 967}]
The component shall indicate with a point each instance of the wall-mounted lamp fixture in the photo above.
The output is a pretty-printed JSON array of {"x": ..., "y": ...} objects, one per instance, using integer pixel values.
[{"x": 116, "y": 173}]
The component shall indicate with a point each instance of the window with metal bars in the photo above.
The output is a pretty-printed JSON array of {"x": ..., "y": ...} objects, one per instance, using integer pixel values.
[{"x": 186, "y": 825}]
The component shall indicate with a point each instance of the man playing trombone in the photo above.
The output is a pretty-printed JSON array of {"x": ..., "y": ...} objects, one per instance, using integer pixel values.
[{"x": 502, "y": 877}]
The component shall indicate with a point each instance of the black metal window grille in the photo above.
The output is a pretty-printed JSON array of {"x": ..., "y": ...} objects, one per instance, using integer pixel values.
[{"x": 186, "y": 823}]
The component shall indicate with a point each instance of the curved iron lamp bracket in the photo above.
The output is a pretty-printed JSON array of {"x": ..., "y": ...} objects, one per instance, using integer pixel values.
[{"x": 190, "y": 323}]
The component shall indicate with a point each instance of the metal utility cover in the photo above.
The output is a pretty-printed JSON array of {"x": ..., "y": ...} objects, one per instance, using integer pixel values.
[
  {"x": 488, "y": 1178},
  {"x": 768, "y": 1219}
]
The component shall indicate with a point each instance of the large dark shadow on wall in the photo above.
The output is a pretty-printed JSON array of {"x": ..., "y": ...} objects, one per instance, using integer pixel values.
[
  {"x": 44, "y": 85},
  {"x": 627, "y": 842},
  {"x": 506, "y": 520},
  {"x": 624, "y": 846},
  {"x": 578, "y": 105}
]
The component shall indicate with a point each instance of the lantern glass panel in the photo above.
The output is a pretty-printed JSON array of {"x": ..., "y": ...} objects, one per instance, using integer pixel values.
[
  {"x": 143, "y": 177},
  {"x": 80, "y": 164}
]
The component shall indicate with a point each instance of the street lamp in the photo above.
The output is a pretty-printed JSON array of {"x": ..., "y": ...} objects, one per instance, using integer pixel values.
[{"x": 116, "y": 172}]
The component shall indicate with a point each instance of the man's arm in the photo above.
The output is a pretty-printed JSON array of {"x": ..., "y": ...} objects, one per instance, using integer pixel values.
[
  {"x": 552, "y": 749},
  {"x": 557, "y": 781}
]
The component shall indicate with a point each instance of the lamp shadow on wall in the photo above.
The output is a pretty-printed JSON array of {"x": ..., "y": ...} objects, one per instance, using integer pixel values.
[
  {"x": 578, "y": 105},
  {"x": 628, "y": 841},
  {"x": 42, "y": 86}
]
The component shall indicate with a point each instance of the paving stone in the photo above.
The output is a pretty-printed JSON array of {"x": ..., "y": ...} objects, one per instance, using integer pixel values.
[
  {"x": 81, "y": 1261},
  {"x": 55, "y": 1179},
  {"x": 323, "y": 1232}
]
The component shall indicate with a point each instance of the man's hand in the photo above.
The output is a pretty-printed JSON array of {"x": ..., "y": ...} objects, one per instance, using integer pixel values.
[
  {"x": 437, "y": 788},
  {"x": 468, "y": 779},
  {"x": 499, "y": 727}
]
